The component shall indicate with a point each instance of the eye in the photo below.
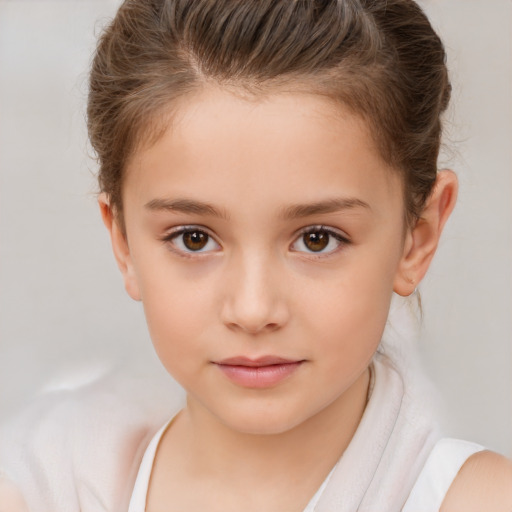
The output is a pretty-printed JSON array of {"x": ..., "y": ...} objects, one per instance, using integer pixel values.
[
  {"x": 191, "y": 240},
  {"x": 319, "y": 240}
]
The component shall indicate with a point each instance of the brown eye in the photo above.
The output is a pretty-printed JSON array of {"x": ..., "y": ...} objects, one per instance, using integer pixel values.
[
  {"x": 316, "y": 241},
  {"x": 195, "y": 240},
  {"x": 191, "y": 240},
  {"x": 320, "y": 240}
]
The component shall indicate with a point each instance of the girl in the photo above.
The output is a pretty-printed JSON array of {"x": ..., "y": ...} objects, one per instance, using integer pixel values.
[{"x": 269, "y": 178}]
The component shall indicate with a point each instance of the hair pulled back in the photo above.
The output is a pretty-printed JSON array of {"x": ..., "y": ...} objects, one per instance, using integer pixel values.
[{"x": 379, "y": 58}]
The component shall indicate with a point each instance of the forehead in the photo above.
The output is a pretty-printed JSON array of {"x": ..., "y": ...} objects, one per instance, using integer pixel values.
[{"x": 276, "y": 148}]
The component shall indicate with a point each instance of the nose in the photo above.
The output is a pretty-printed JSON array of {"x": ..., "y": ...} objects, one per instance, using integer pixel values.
[{"x": 254, "y": 298}]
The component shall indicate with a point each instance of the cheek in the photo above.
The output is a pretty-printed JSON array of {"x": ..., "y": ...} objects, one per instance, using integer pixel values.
[
  {"x": 176, "y": 326},
  {"x": 351, "y": 333},
  {"x": 355, "y": 319},
  {"x": 350, "y": 309},
  {"x": 177, "y": 307}
]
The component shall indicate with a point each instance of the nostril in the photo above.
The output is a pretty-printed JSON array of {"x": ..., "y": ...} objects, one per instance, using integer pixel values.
[{"x": 270, "y": 327}]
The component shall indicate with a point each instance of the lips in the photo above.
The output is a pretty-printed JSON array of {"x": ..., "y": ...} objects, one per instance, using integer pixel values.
[
  {"x": 255, "y": 363},
  {"x": 263, "y": 372}
]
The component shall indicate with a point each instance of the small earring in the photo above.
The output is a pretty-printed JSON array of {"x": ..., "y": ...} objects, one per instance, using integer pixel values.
[{"x": 411, "y": 280}]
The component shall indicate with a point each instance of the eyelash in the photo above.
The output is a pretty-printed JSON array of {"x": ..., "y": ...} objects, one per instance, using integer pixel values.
[
  {"x": 341, "y": 239},
  {"x": 170, "y": 237}
]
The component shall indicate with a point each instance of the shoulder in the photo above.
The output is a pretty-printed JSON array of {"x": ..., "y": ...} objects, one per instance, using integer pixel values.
[
  {"x": 484, "y": 482},
  {"x": 11, "y": 498},
  {"x": 51, "y": 448}
]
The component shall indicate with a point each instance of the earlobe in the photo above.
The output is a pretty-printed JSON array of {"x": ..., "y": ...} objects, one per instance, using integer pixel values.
[
  {"x": 422, "y": 240},
  {"x": 119, "y": 247}
]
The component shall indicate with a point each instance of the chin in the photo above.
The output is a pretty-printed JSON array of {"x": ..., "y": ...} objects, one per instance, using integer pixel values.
[{"x": 264, "y": 423}]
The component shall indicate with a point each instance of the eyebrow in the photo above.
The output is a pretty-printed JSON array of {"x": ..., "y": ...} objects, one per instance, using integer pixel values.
[
  {"x": 186, "y": 206},
  {"x": 290, "y": 212},
  {"x": 321, "y": 207}
]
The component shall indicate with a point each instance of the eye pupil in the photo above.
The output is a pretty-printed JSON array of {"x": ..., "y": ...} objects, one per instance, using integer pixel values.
[
  {"x": 316, "y": 241},
  {"x": 195, "y": 240}
]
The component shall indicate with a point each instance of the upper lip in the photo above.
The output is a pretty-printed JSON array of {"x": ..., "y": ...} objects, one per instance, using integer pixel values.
[{"x": 260, "y": 361}]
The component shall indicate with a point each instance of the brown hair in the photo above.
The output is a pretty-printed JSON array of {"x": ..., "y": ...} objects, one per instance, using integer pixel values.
[{"x": 380, "y": 58}]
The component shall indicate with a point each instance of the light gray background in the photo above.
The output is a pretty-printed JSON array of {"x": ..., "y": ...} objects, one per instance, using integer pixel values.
[{"x": 64, "y": 316}]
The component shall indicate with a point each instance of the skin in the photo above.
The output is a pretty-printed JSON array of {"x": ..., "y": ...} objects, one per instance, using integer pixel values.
[
  {"x": 257, "y": 289},
  {"x": 10, "y": 497}
]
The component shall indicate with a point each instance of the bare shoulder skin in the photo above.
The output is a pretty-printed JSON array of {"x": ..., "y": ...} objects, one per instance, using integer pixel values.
[
  {"x": 484, "y": 483},
  {"x": 11, "y": 499}
]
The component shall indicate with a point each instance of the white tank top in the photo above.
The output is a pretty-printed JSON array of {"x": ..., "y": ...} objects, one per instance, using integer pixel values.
[
  {"x": 440, "y": 465},
  {"x": 140, "y": 490}
]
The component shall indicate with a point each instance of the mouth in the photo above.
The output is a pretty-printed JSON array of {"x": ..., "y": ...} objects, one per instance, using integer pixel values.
[{"x": 263, "y": 372}]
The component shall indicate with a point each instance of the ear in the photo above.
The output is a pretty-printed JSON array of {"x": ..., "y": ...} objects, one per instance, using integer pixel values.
[
  {"x": 120, "y": 247},
  {"x": 421, "y": 241}
]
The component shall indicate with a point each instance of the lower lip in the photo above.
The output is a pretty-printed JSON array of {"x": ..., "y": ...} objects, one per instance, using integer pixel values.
[{"x": 259, "y": 376}]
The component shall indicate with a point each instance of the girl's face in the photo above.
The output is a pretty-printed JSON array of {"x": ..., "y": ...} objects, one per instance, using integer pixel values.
[{"x": 264, "y": 239}]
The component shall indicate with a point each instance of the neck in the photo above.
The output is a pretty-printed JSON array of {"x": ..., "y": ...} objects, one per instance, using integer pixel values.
[{"x": 309, "y": 450}]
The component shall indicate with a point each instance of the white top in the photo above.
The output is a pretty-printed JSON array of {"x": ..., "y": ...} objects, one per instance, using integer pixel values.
[
  {"x": 395, "y": 460},
  {"x": 140, "y": 490},
  {"x": 442, "y": 466}
]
